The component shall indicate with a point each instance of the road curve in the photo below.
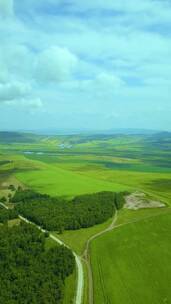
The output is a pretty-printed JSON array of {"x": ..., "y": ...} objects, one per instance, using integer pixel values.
[
  {"x": 86, "y": 256},
  {"x": 3, "y": 205},
  {"x": 80, "y": 273}
]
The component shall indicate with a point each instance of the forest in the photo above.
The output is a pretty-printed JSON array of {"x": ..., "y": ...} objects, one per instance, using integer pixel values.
[
  {"x": 6, "y": 215},
  {"x": 57, "y": 214},
  {"x": 29, "y": 273}
]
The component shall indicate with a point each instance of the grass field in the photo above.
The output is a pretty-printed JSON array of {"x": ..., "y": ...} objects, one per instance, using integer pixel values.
[
  {"x": 59, "y": 182},
  {"x": 134, "y": 263},
  {"x": 69, "y": 292},
  {"x": 76, "y": 239}
]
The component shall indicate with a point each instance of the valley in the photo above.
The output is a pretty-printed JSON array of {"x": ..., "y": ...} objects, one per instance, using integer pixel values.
[{"x": 132, "y": 245}]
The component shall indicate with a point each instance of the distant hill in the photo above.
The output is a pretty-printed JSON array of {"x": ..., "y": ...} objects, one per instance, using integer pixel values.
[
  {"x": 133, "y": 131},
  {"x": 7, "y": 137},
  {"x": 125, "y": 131},
  {"x": 162, "y": 138},
  {"x": 148, "y": 137}
]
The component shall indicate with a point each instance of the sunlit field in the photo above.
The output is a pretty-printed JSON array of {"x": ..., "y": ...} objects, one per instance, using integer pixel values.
[{"x": 133, "y": 265}]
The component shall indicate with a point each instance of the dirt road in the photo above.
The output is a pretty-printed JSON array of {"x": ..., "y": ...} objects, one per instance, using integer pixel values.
[{"x": 80, "y": 273}]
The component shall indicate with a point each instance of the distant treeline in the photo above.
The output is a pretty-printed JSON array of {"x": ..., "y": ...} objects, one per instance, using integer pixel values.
[
  {"x": 28, "y": 272},
  {"x": 58, "y": 214},
  {"x": 6, "y": 215}
]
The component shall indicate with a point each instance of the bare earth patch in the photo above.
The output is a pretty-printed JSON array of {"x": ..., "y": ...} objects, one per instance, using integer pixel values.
[{"x": 140, "y": 200}]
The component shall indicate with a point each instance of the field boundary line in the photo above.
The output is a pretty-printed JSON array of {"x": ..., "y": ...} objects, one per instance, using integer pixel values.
[
  {"x": 142, "y": 219},
  {"x": 87, "y": 258}
]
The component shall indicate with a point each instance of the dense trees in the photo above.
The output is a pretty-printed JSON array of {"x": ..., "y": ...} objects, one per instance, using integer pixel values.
[
  {"x": 26, "y": 195},
  {"x": 28, "y": 272},
  {"x": 120, "y": 199},
  {"x": 11, "y": 187},
  {"x": 3, "y": 199},
  {"x": 6, "y": 215},
  {"x": 57, "y": 214}
]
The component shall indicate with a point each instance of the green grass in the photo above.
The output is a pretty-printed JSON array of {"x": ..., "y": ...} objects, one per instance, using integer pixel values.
[
  {"x": 14, "y": 222},
  {"x": 148, "y": 182},
  {"x": 70, "y": 287},
  {"x": 49, "y": 243},
  {"x": 59, "y": 182},
  {"x": 125, "y": 215},
  {"x": 94, "y": 163},
  {"x": 131, "y": 264},
  {"x": 76, "y": 239},
  {"x": 85, "y": 293}
]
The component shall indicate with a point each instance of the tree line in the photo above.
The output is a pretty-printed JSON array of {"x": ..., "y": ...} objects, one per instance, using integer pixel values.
[
  {"x": 58, "y": 214},
  {"x": 29, "y": 273}
]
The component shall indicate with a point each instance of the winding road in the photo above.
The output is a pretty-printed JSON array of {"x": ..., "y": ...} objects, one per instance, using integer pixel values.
[
  {"x": 112, "y": 226},
  {"x": 80, "y": 273},
  {"x": 86, "y": 255},
  {"x": 87, "y": 259}
]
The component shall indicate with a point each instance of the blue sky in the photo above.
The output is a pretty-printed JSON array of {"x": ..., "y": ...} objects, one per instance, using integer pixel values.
[{"x": 85, "y": 64}]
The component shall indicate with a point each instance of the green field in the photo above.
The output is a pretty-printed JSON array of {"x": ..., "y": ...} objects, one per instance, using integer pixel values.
[
  {"x": 133, "y": 266},
  {"x": 134, "y": 263},
  {"x": 76, "y": 239},
  {"x": 59, "y": 182},
  {"x": 91, "y": 163}
]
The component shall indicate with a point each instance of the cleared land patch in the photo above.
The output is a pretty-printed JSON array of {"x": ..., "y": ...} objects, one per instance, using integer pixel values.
[{"x": 140, "y": 200}]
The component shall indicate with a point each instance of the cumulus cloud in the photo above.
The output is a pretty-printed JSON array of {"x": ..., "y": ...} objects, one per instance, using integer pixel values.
[
  {"x": 26, "y": 104},
  {"x": 101, "y": 83},
  {"x": 107, "y": 80},
  {"x": 103, "y": 54},
  {"x": 6, "y": 8},
  {"x": 34, "y": 103},
  {"x": 12, "y": 91},
  {"x": 18, "y": 94},
  {"x": 55, "y": 64},
  {"x": 18, "y": 58}
]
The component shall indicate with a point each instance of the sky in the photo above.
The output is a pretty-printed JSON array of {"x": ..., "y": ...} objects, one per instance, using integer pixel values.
[{"x": 85, "y": 64}]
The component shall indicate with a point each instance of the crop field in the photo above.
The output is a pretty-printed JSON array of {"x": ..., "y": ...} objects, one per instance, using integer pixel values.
[{"x": 134, "y": 263}]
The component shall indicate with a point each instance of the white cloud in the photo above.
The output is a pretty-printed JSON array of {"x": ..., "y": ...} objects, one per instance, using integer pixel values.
[
  {"x": 55, "y": 64},
  {"x": 34, "y": 103},
  {"x": 103, "y": 82},
  {"x": 18, "y": 58},
  {"x": 31, "y": 104},
  {"x": 12, "y": 91},
  {"x": 19, "y": 94},
  {"x": 6, "y": 8},
  {"x": 106, "y": 80},
  {"x": 95, "y": 45}
]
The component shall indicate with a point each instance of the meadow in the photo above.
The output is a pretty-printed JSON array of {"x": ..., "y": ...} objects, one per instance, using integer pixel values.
[
  {"x": 71, "y": 165},
  {"x": 134, "y": 263},
  {"x": 133, "y": 266}
]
